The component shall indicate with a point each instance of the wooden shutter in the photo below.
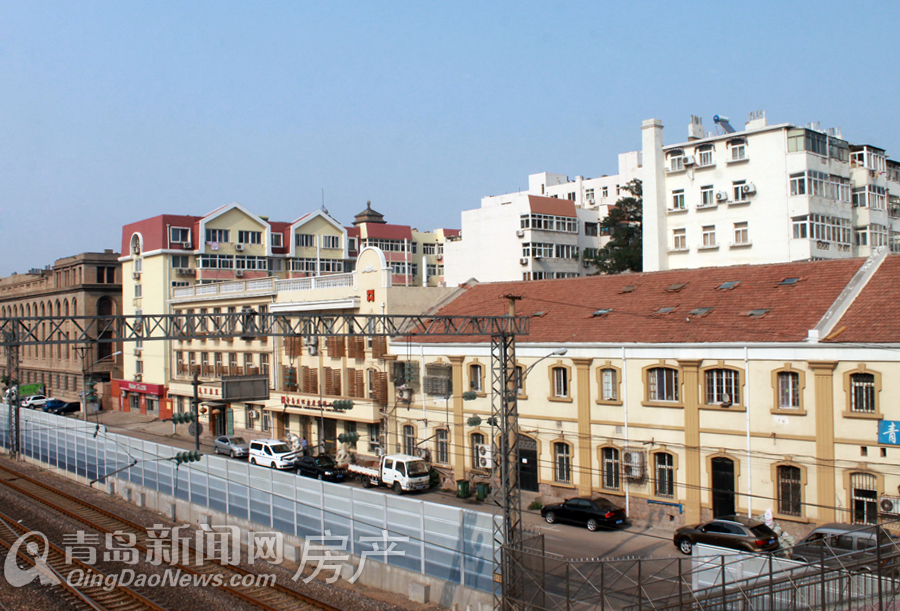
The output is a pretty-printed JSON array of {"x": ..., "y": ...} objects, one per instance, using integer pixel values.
[
  {"x": 380, "y": 390},
  {"x": 293, "y": 346},
  {"x": 379, "y": 347},
  {"x": 336, "y": 347},
  {"x": 360, "y": 383},
  {"x": 329, "y": 381}
]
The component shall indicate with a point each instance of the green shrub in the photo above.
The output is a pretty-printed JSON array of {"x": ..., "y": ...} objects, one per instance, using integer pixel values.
[{"x": 535, "y": 505}]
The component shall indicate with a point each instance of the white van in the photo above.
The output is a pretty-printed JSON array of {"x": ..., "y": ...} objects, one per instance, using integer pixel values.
[{"x": 272, "y": 453}]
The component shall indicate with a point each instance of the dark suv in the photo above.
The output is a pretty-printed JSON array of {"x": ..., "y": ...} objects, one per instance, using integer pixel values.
[
  {"x": 851, "y": 546},
  {"x": 733, "y": 532}
]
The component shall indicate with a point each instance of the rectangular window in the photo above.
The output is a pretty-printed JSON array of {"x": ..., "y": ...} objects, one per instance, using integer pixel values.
[
  {"x": 706, "y": 155},
  {"x": 605, "y": 192},
  {"x": 678, "y": 199},
  {"x": 218, "y": 236},
  {"x": 428, "y": 249},
  {"x": 560, "y": 382},
  {"x": 676, "y": 162},
  {"x": 591, "y": 229},
  {"x": 277, "y": 240},
  {"x": 180, "y": 235},
  {"x": 738, "y": 152},
  {"x": 738, "y": 191},
  {"x": 181, "y": 261},
  {"x": 709, "y": 236},
  {"x": 250, "y": 237},
  {"x": 563, "y": 462},
  {"x": 679, "y": 239},
  {"x": 609, "y": 387},
  {"x": 788, "y": 390},
  {"x": 442, "y": 455},
  {"x": 610, "y": 468},
  {"x": 664, "y": 467},
  {"x": 305, "y": 240},
  {"x": 331, "y": 241},
  {"x": 789, "y": 487},
  {"x": 862, "y": 393},
  {"x": 662, "y": 384},
  {"x": 741, "y": 233},
  {"x": 723, "y": 386},
  {"x": 707, "y": 197}
]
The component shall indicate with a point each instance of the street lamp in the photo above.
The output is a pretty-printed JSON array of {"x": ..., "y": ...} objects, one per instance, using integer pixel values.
[
  {"x": 85, "y": 369},
  {"x": 520, "y": 379}
]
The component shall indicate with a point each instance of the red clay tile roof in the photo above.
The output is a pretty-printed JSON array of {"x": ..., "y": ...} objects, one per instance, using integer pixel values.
[
  {"x": 551, "y": 205},
  {"x": 388, "y": 232},
  {"x": 568, "y": 305},
  {"x": 451, "y": 233},
  {"x": 874, "y": 315}
]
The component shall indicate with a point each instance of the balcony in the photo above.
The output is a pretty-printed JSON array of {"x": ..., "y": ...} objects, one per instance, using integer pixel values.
[{"x": 263, "y": 287}]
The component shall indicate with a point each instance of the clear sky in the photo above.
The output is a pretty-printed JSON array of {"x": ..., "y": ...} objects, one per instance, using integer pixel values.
[{"x": 111, "y": 112}]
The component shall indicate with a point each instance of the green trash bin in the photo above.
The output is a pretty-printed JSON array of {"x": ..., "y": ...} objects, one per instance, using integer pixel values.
[
  {"x": 462, "y": 488},
  {"x": 482, "y": 490}
]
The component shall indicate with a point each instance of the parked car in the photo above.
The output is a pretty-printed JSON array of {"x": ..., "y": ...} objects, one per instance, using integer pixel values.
[
  {"x": 52, "y": 404},
  {"x": 321, "y": 467},
  {"x": 66, "y": 408},
  {"x": 733, "y": 532},
  {"x": 34, "y": 401},
  {"x": 272, "y": 453},
  {"x": 233, "y": 445},
  {"x": 849, "y": 545},
  {"x": 586, "y": 511}
]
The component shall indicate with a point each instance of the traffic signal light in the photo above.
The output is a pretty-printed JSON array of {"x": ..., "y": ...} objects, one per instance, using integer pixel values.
[
  {"x": 90, "y": 391},
  {"x": 290, "y": 378},
  {"x": 351, "y": 437},
  {"x": 184, "y": 457},
  {"x": 342, "y": 405},
  {"x": 183, "y": 418}
]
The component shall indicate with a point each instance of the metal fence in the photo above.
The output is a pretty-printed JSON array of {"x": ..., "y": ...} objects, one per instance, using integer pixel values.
[{"x": 444, "y": 542}]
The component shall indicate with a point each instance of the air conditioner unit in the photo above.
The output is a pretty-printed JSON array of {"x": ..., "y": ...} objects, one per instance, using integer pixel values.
[
  {"x": 748, "y": 189},
  {"x": 483, "y": 457},
  {"x": 239, "y": 273},
  {"x": 239, "y": 247},
  {"x": 520, "y": 233},
  {"x": 634, "y": 464},
  {"x": 889, "y": 504},
  {"x": 589, "y": 199},
  {"x": 440, "y": 257},
  {"x": 252, "y": 414},
  {"x": 586, "y": 263},
  {"x": 138, "y": 377},
  {"x": 688, "y": 160},
  {"x": 721, "y": 196},
  {"x": 524, "y": 260},
  {"x": 185, "y": 271},
  {"x": 186, "y": 245},
  {"x": 136, "y": 275}
]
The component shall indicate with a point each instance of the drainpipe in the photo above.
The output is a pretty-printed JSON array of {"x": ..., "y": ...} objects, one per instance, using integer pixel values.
[
  {"x": 625, "y": 408},
  {"x": 747, "y": 412}
]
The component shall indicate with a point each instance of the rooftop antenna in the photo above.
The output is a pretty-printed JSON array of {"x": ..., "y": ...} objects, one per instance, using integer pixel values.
[
  {"x": 324, "y": 209},
  {"x": 722, "y": 122}
]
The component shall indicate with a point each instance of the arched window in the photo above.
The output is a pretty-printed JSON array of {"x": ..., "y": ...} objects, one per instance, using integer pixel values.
[
  {"x": 560, "y": 382},
  {"x": 790, "y": 489},
  {"x": 864, "y": 498},
  {"x": 611, "y": 468},
  {"x": 477, "y": 442},
  {"x": 662, "y": 384},
  {"x": 476, "y": 377},
  {"x": 722, "y": 386},
  {"x": 862, "y": 393}
]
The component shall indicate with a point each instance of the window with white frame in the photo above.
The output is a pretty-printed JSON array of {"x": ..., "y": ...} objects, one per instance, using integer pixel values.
[
  {"x": 664, "y": 471},
  {"x": 179, "y": 234},
  {"x": 442, "y": 446},
  {"x": 409, "y": 440},
  {"x": 706, "y": 155},
  {"x": 676, "y": 162},
  {"x": 862, "y": 393},
  {"x": 305, "y": 240},
  {"x": 560, "y": 382},
  {"x": 722, "y": 386},
  {"x": 738, "y": 191},
  {"x": 709, "y": 236},
  {"x": 738, "y": 149},
  {"x": 678, "y": 199},
  {"x": 864, "y": 498},
  {"x": 604, "y": 192},
  {"x": 217, "y": 235},
  {"x": 608, "y": 385},
  {"x": 331, "y": 241},
  {"x": 562, "y": 461},
  {"x": 679, "y": 239},
  {"x": 277, "y": 240},
  {"x": 476, "y": 380},
  {"x": 662, "y": 384},
  {"x": 566, "y": 251},
  {"x": 428, "y": 249},
  {"x": 611, "y": 468},
  {"x": 250, "y": 237},
  {"x": 788, "y": 390},
  {"x": 181, "y": 261},
  {"x": 707, "y": 196},
  {"x": 741, "y": 233},
  {"x": 477, "y": 440}
]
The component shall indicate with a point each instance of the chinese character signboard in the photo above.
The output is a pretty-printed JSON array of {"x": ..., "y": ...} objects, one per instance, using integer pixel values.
[{"x": 889, "y": 432}]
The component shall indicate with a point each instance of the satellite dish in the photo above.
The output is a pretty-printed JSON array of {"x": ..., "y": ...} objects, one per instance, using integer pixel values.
[{"x": 726, "y": 400}]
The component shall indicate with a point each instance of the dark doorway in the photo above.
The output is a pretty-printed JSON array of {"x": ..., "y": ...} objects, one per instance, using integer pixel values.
[
  {"x": 328, "y": 436},
  {"x": 528, "y": 464},
  {"x": 723, "y": 487}
]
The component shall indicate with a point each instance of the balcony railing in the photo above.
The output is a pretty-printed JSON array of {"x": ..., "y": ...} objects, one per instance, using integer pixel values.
[{"x": 266, "y": 286}]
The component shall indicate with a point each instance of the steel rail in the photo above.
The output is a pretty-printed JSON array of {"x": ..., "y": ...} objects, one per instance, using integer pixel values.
[{"x": 274, "y": 598}]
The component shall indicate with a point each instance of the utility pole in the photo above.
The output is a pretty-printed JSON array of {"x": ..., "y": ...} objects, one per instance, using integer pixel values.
[{"x": 195, "y": 406}]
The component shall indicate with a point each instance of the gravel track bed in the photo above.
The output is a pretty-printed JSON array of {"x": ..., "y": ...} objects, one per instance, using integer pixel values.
[{"x": 353, "y": 597}]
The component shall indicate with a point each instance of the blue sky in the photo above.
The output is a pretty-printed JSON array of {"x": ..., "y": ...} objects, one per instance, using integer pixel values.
[{"x": 116, "y": 111}]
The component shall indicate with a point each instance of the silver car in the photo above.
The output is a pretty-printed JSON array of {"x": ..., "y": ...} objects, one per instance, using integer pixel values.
[{"x": 233, "y": 445}]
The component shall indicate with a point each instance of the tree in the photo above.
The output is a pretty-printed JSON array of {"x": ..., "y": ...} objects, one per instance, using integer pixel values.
[{"x": 623, "y": 252}]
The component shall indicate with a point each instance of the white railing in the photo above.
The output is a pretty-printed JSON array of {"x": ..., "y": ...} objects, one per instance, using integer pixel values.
[
  {"x": 316, "y": 282},
  {"x": 267, "y": 285}
]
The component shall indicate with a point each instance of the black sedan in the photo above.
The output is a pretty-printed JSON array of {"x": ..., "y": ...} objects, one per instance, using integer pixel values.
[
  {"x": 734, "y": 532},
  {"x": 321, "y": 467},
  {"x": 66, "y": 408},
  {"x": 590, "y": 512}
]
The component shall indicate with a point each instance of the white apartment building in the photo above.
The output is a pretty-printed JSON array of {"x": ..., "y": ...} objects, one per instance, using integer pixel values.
[
  {"x": 544, "y": 232},
  {"x": 767, "y": 194}
]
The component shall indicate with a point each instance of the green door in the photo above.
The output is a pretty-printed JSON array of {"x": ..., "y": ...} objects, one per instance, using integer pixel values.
[{"x": 229, "y": 421}]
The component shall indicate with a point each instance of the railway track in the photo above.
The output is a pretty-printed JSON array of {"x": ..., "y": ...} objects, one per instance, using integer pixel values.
[
  {"x": 84, "y": 586},
  {"x": 226, "y": 577}
]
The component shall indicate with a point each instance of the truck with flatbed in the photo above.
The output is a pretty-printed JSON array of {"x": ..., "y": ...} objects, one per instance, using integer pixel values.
[{"x": 402, "y": 472}]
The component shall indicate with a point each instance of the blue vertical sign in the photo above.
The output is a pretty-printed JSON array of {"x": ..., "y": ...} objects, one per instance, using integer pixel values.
[{"x": 889, "y": 432}]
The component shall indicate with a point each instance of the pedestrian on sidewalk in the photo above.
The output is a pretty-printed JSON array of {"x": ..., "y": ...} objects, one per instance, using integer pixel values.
[{"x": 303, "y": 445}]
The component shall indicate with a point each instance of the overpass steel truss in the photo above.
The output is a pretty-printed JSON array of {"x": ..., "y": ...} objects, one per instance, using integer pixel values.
[{"x": 248, "y": 324}]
